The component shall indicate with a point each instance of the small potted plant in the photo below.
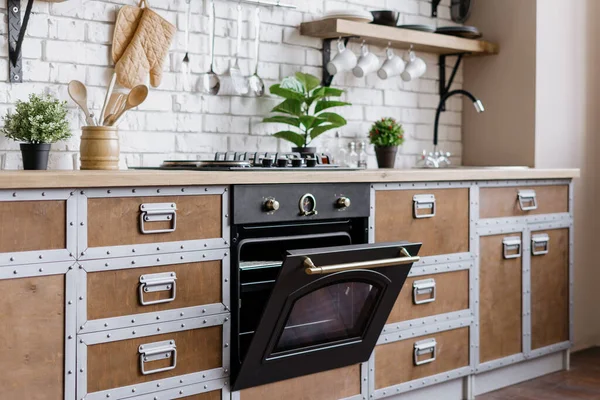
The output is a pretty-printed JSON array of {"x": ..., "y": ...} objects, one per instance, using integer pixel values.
[
  {"x": 386, "y": 135},
  {"x": 38, "y": 123},
  {"x": 304, "y": 110}
]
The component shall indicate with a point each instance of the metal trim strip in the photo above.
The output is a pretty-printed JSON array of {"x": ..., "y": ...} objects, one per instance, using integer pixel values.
[
  {"x": 533, "y": 219},
  {"x": 422, "y": 185},
  {"x": 70, "y": 333},
  {"x": 524, "y": 182},
  {"x": 35, "y": 194},
  {"x": 185, "y": 391},
  {"x": 431, "y": 320},
  {"x": 501, "y": 230},
  {"x": 434, "y": 269},
  {"x": 154, "y": 191},
  {"x": 501, "y": 362},
  {"x": 424, "y": 331},
  {"x": 526, "y": 293},
  {"x": 554, "y": 348},
  {"x": 474, "y": 276},
  {"x": 151, "y": 330},
  {"x": 421, "y": 383}
]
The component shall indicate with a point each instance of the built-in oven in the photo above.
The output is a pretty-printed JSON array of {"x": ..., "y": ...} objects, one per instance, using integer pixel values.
[{"x": 311, "y": 293}]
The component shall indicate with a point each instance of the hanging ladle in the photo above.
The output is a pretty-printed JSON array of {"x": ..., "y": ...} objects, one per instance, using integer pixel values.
[
  {"x": 210, "y": 80},
  {"x": 257, "y": 86}
]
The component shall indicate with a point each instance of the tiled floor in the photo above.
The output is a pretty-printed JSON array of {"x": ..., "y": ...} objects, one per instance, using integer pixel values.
[{"x": 582, "y": 382}]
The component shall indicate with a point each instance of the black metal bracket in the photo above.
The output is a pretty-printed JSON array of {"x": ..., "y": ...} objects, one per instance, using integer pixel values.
[
  {"x": 445, "y": 86},
  {"x": 434, "y": 7},
  {"x": 16, "y": 35},
  {"x": 327, "y": 77}
]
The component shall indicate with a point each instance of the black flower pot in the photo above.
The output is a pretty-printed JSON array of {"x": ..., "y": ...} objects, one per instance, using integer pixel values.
[
  {"x": 386, "y": 156},
  {"x": 35, "y": 156},
  {"x": 304, "y": 150}
]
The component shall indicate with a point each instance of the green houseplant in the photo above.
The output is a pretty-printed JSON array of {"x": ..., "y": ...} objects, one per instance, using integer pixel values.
[
  {"x": 304, "y": 110},
  {"x": 386, "y": 135},
  {"x": 38, "y": 123}
]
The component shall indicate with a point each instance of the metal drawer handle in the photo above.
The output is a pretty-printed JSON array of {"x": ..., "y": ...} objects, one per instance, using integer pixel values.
[
  {"x": 511, "y": 244},
  {"x": 157, "y": 351},
  {"x": 540, "y": 244},
  {"x": 424, "y": 202},
  {"x": 158, "y": 283},
  {"x": 527, "y": 197},
  {"x": 422, "y": 287},
  {"x": 153, "y": 212},
  {"x": 423, "y": 347},
  {"x": 312, "y": 269}
]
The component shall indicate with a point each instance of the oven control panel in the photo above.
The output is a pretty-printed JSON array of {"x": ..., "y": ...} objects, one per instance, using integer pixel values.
[{"x": 279, "y": 203}]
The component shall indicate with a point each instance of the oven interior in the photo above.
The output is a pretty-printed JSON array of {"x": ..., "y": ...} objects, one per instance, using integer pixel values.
[{"x": 335, "y": 312}]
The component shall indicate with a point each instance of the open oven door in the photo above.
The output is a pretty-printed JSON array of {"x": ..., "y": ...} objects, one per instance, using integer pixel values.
[{"x": 327, "y": 310}]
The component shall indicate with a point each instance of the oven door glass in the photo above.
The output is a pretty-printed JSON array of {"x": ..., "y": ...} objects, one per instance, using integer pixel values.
[{"x": 326, "y": 310}]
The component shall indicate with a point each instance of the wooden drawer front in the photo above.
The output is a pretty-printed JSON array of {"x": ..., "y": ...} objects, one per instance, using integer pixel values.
[
  {"x": 394, "y": 362},
  {"x": 550, "y": 291},
  {"x": 115, "y": 221},
  {"x": 329, "y": 385},
  {"x": 504, "y": 201},
  {"x": 116, "y": 364},
  {"x": 117, "y": 292},
  {"x": 32, "y": 332},
  {"x": 33, "y": 225},
  {"x": 451, "y": 294},
  {"x": 445, "y": 233},
  {"x": 500, "y": 300}
]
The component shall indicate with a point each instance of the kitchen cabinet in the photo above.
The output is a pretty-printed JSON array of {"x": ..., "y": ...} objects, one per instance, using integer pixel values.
[
  {"x": 500, "y": 297},
  {"x": 36, "y": 332},
  {"x": 439, "y": 218},
  {"x": 493, "y": 288},
  {"x": 339, "y": 383},
  {"x": 430, "y": 295},
  {"x": 549, "y": 287},
  {"x": 411, "y": 359},
  {"x": 518, "y": 201}
]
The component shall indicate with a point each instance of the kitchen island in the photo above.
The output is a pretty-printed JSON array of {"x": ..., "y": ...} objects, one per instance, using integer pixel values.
[{"x": 119, "y": 284}]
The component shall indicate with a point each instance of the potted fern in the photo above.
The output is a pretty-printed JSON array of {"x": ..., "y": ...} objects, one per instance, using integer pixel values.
[
  {"x": 304, "y": 110},
  {"x": 38, "y": 123},
  {"x": 386, "y": 135}
]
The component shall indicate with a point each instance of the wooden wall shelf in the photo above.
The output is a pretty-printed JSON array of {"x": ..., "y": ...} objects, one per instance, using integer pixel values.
[{"x": 400, "y": 38}]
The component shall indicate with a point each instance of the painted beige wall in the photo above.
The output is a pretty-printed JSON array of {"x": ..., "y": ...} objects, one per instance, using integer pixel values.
[
  {"x": 566, "y": 134},
  {"x": 543, "y": 110},
  {"x": 505, "y": 84}
]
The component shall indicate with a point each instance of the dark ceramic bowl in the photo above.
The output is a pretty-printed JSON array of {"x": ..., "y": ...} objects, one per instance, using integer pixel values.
[{"x": 385, "y": 17}]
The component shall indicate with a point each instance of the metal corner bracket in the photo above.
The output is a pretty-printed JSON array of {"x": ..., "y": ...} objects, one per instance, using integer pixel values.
[
  {"x": 16, "y": 35},
  {"x": 445, "y": 86},
  {"x": 327, "y": 77}
]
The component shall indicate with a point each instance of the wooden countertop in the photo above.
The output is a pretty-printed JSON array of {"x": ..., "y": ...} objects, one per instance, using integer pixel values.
[{"x": 82, "y": 179}]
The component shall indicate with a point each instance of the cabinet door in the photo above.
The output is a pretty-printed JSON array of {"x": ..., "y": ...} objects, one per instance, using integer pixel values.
[
  {"x": 549, "y": 287},
  {"x": 500, "y": 297},
  {"x": 32, "y": 315}
]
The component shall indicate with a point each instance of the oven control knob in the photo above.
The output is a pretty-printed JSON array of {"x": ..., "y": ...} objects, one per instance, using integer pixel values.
[
  {"x": 343, "y": 202},
  {"x": 271, "y": 205}
]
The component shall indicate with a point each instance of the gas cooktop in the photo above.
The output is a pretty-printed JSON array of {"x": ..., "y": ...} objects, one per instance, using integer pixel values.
[{"x": 246, "y": 161}]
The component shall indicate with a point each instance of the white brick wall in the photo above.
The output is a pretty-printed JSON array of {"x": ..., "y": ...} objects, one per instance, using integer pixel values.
[{"x": 71, "y": 40}]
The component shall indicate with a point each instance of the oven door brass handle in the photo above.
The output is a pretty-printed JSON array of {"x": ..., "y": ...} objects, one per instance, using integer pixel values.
[{"x": 312, "y": 269}]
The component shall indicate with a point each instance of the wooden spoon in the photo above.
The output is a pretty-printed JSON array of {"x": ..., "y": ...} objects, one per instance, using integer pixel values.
[
  {"x": 136, "y": 97},
  {"x": 78, "y": 93},
  {"x": 109, "y": 91}
]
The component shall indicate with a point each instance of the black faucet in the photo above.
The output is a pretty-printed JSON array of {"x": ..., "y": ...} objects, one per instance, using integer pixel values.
[{"x": 476, "y": 102}]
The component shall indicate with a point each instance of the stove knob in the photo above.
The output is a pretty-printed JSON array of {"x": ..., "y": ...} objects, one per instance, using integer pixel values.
[
  {"x": 343, "y": 202},
  {"x": 267, "y": 162},
  {"x": 282, "y": 162},
  {"x": 271, "y": 205}
]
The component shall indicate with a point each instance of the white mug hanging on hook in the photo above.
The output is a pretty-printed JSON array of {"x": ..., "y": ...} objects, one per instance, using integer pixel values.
[
  {"x": 393, "y": 65},
  {"x": 415, "y": 68},
  {"x": 367, "y": 63},
  {"x": 344, "y": 60}
]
